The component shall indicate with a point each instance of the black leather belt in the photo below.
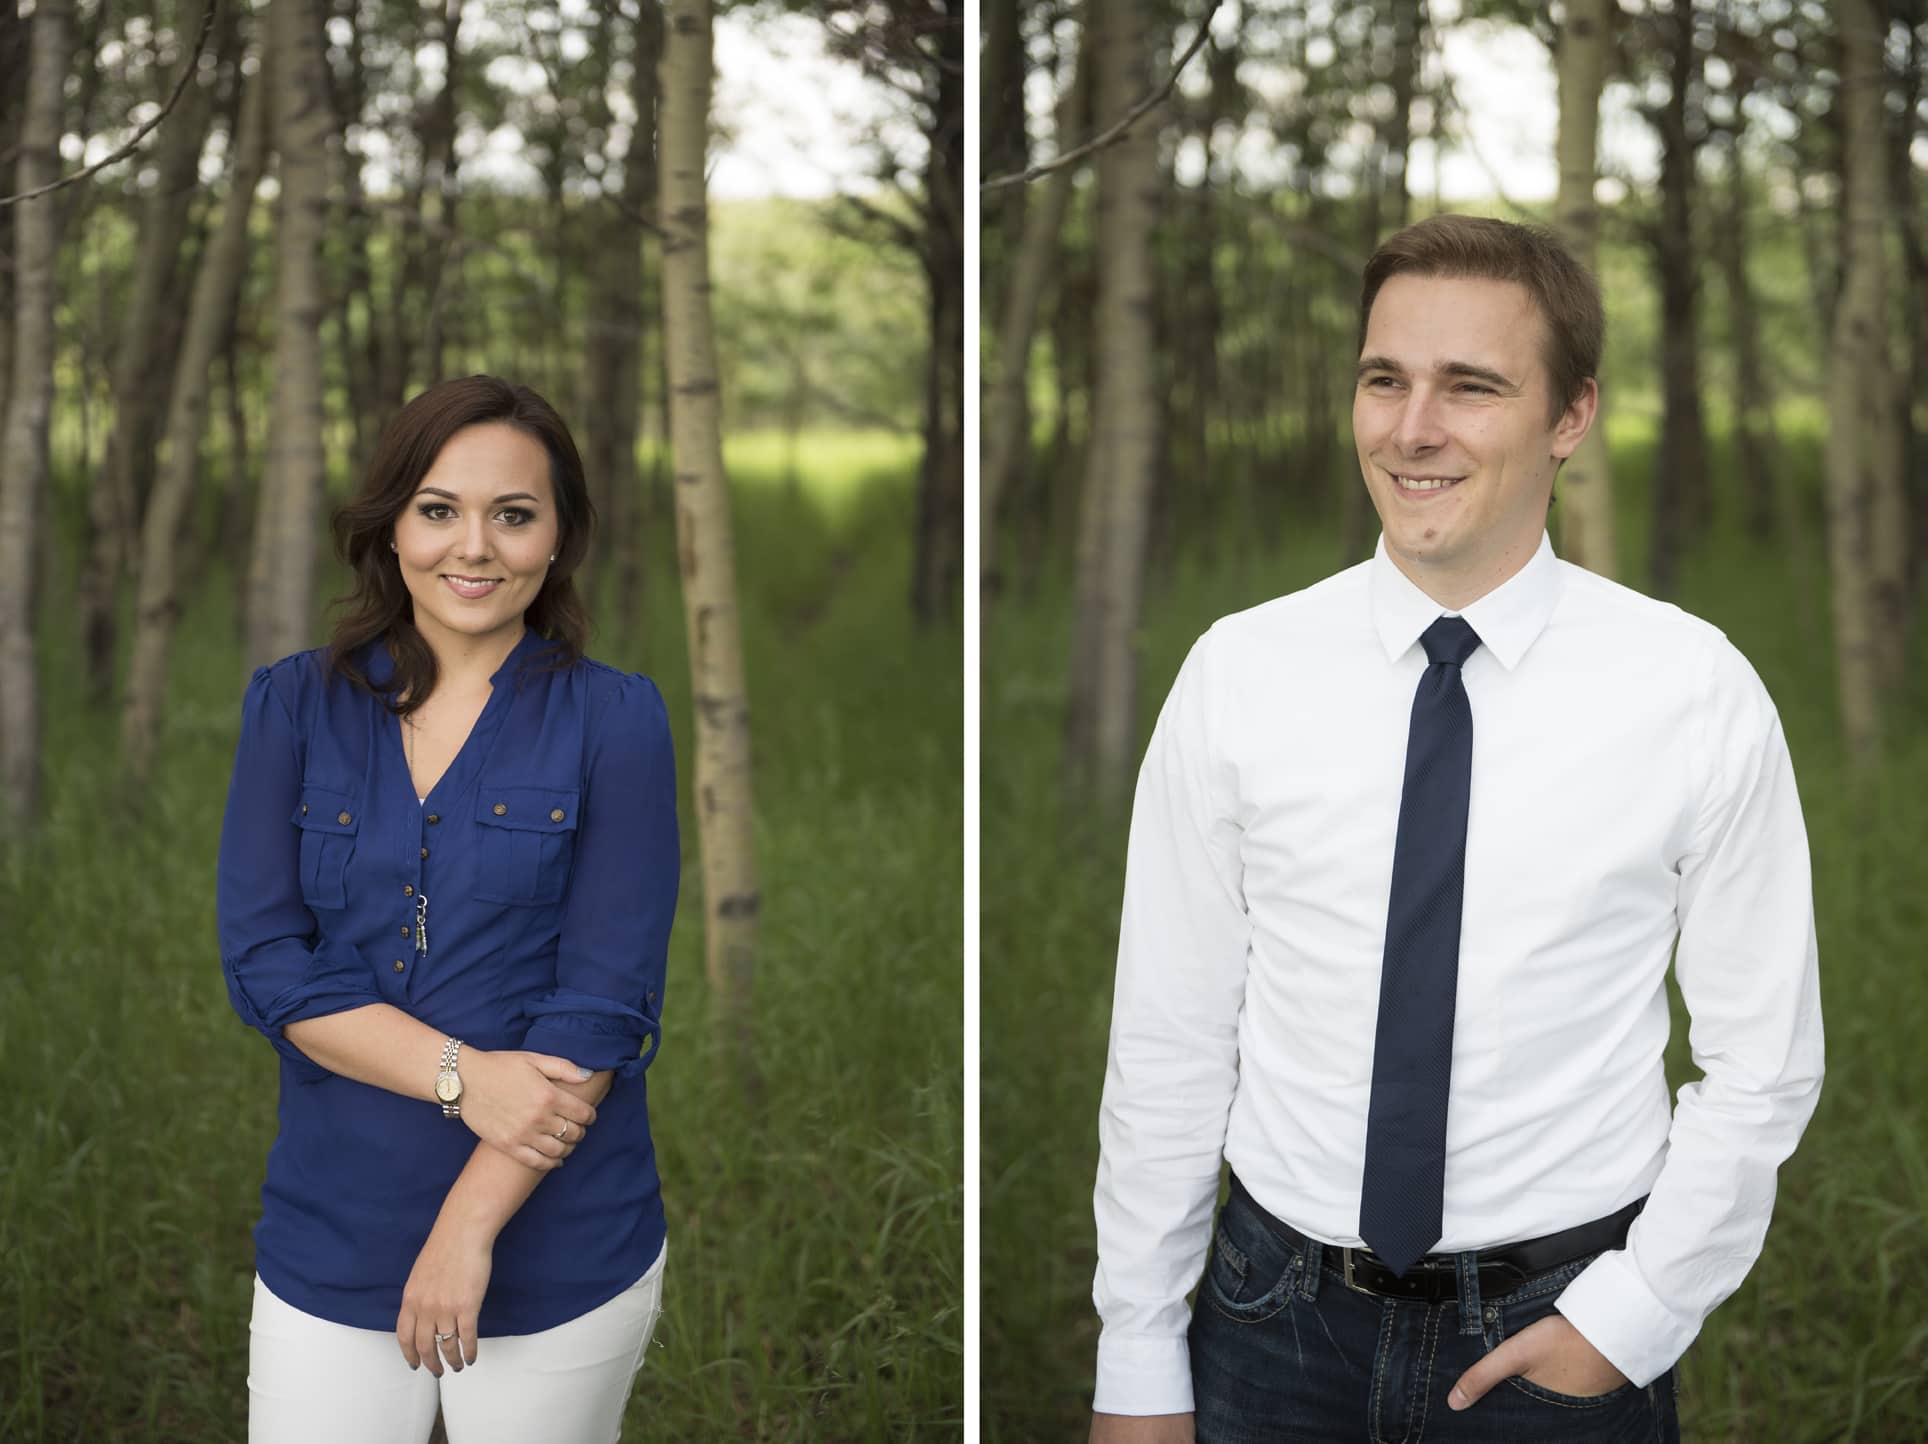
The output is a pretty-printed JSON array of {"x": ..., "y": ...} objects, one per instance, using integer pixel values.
[{"x": 1436, "y": 1276}]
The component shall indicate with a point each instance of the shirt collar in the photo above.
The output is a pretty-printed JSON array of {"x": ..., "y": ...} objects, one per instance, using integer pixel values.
[
  {"x": 378, "y": 667},
  {"x": 1508, "y": 619},
  {"x": 522, "y": 653}
]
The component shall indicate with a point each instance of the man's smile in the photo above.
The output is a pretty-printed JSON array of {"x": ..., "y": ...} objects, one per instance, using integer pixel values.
[{"x": 1423, "y": 484}]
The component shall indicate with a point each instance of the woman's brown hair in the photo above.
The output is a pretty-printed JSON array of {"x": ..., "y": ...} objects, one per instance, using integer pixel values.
[{"x": 377, "y": 607}]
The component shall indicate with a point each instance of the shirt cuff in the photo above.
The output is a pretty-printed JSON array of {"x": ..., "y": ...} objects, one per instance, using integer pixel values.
[
  {"x": 1143, "y": 1374},
  {"x": 591, "y": 1032},
  {"x": 335, "y": 979},
  {"x": 1615, "y": 1311}
]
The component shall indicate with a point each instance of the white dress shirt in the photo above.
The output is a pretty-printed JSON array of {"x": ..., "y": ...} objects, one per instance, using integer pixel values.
[{"x": 1630, "y": 786}]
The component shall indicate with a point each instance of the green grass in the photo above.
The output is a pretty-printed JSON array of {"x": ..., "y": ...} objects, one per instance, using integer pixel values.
[
  {"x": 815, "y": 1281},
  {"x": 1825, "y": 1341}
]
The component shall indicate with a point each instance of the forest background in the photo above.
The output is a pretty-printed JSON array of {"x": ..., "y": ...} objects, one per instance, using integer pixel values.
[
  {"x": 210, "y": 374},
  {"x": 1169, "y": 335}
]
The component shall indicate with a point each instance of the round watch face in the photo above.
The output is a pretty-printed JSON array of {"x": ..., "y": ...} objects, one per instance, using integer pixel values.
[{"x": 448, "y": 1087}]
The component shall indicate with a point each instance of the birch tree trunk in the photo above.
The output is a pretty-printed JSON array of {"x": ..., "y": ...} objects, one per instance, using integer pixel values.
[
  {"x": 1408, "y": 36},
  {"x": 1007, "y": 420},
  {"x": 1858, "y": 391},
  {"x": 1912, "y": 380},
  {"x": 24, "y": 461},
  {"x": 217, "y": 288},
  {"x": 938, "y": 569},
  {"x": 613, "y": 330},
  {"x": 355, "y": 292},
  {"x": 1586, "y": 481},
  {"x": 1682, "y": 489},
  {"x": 1102, "y": 741},
  {"x": 1771, "y": 489},
  {"x": 141, "y": 368},
  {"x": 724, "y": 816},
  {"x": 439, "y": 161},
  {"x": 282, "y": 567},
  {"x": 15, "y": 52},
  {"x": 1753, "y": 393}
]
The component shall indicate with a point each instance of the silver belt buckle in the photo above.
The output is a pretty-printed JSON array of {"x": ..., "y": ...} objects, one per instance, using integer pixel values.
[{"x": 1346, "y": 1261}]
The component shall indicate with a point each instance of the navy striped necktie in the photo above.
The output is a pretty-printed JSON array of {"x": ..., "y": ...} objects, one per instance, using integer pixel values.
[{"x": 1402, "y": 1201}]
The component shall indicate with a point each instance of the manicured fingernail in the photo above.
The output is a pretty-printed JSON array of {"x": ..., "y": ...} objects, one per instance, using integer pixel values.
[
  {"x": 584, "y": 1073},
  {"x": 1456, "y": 1399}
]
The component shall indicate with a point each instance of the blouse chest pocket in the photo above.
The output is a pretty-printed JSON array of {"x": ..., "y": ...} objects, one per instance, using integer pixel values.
[
  {"x": 526, "y": 843},
  {"x": 329, "y": 819}
]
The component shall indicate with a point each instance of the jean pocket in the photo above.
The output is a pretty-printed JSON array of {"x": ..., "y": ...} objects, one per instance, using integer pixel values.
[
  {"x": 329, "y": 819},
  {"x": 1536, "y": 1299},
  {"x": 1569, "y": 1401},
  {"x": 1252, "y": 1272},
  {"x": 527, "y": 843}
]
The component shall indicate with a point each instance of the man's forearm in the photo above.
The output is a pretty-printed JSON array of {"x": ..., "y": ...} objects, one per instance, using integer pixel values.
[{"x": 492, "y": 1186}]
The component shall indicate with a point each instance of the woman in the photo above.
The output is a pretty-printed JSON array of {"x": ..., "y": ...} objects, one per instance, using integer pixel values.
[{"x": 448, "y": 868}]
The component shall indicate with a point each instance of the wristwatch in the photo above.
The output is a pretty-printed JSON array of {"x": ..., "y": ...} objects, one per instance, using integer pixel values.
[{"x": 448, "y": 1083}]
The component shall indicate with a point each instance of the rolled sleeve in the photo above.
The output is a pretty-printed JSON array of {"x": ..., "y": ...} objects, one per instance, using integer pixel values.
[
  {"x": 606, "y": 1008},
  {"x": 278, "y": 967},
  {"x": 1749, "y": 972}
]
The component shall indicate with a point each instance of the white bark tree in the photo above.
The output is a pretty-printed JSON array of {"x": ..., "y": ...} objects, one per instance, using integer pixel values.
[
  {"x": 725, "y": 819},
  {"x": 281, "y": 573},
  {"x": 24, "y": 459},
  {"x": 1586, "y": 481},
  {"x": 211, "y": 309},
  {"x": 1101, "y": 725},
  {"x": 1864, "y": 492}
]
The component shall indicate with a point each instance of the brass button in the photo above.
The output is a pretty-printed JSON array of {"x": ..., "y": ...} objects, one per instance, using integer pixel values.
[
  {"x": 556, "y": 816},
  {"x": 404, "y": 932},
  {"x": 304, "y": 809},
  {"x": 424, "y": 852},
  {"x": 500, "y": 808},
  {"x": 435, "y": 817},
  {"x": 408, "y": 889},
  {"x": 399, "y": 965},
  {"x": 342, "y": 818}
]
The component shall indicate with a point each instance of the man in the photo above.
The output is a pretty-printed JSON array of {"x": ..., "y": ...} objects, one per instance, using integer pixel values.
[{"x": 1410, "y": 852}]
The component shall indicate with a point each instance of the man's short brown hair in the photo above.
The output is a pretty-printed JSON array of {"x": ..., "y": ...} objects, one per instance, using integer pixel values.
[{"x": 1566, "y": 293}]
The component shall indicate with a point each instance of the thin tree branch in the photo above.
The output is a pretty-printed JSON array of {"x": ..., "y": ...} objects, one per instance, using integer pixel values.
[
  {"x": 900, "y": 230},
  {"x": 630, "y": 213},
  {"x": 860, "y": 415},
  {"x": 1321, "y": 244},
  {"x": 180, "y": 88},
  {"x": 1117, "y": 132}
]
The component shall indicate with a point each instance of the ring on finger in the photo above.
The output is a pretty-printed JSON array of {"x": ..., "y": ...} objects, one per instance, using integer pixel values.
[{"x": 562, "y": 1133}]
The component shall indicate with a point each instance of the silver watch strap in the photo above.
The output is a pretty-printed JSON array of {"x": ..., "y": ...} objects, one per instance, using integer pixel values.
[{"x": 451, "y": 1049}]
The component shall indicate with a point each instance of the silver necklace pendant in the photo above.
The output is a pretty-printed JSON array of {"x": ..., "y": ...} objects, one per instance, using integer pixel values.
[{"x": 421, "y": 923}]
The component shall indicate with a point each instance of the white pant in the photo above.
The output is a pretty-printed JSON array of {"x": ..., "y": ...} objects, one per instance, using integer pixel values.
[{"x": 315, "y": 1382}]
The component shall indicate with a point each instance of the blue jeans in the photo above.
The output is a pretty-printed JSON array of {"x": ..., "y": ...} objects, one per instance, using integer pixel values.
[{"x": 1282, "y": 1350}]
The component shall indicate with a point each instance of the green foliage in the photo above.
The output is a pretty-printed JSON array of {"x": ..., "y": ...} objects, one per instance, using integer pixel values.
[
  {"x": 1824, "y": 1340},
  {"x": 815, "y": 1272},
  {"x": 813, "y": 323},
  {"x": 814, "y": 328}
]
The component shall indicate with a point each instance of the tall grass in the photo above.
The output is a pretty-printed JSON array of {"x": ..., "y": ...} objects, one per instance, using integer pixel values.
[
  {"x": 815, "y": 1283},
  {"x": 1826, "y": 1340}
]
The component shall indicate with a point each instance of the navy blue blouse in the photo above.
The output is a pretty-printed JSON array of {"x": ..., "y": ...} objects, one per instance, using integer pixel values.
[{"x": 544, "y": 865}]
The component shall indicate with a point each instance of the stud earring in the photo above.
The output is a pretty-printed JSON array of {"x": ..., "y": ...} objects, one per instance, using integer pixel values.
[
  {"x": 392, "y": 547},
  {"x": 552, "y": 556}
]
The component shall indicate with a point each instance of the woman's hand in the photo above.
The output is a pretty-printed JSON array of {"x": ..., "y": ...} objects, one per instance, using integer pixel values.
[
  {"x": 510, "y": 1102},
  {"x": 443, "y": 1297}
]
